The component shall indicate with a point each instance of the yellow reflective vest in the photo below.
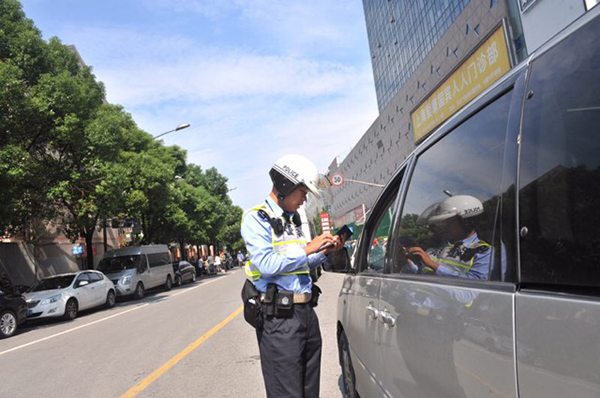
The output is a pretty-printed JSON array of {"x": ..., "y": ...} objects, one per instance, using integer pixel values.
[{"x": 290, "y": 239}]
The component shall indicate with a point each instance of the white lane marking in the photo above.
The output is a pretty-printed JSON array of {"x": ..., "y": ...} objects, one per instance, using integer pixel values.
[
  {"x": 99, "y": 320},
  {"x": 72, "y": 330},
  {"x": 195, "y": 287}
]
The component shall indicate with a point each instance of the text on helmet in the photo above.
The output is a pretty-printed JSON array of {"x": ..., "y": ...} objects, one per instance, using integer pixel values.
[
  {"x": 291, "y": 172},
  {"x": 472, "y": 210}
]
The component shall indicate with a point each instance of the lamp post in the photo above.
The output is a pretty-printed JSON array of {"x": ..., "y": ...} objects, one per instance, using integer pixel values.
[{"x": 180, "y": 127}]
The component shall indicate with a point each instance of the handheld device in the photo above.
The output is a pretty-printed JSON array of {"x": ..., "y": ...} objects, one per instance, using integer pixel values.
[{"x": 344, "y": 233}]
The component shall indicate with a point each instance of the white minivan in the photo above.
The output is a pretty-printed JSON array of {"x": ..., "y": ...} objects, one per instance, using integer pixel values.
[
  {"x": 137, "y": 268},
  {"x": 477, "y": 273}
]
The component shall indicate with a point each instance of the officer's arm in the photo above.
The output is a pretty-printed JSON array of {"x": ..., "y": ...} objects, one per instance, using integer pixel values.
[
  {"x": 257, "y": 236},
  {"x": 316, "y": 259}
]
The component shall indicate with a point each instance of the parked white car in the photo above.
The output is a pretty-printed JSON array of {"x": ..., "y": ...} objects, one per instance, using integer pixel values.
[{"x": 66, "y": 294}]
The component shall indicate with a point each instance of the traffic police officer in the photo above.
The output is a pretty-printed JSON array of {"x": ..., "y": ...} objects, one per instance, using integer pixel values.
[{"x": 280, "y": 263}]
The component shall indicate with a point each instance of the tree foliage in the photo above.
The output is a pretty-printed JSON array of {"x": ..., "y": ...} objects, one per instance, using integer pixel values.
[{"x": 68, "y": 157}]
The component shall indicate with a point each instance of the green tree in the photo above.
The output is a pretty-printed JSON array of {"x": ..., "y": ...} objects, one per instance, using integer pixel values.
[
  {"x": 91, "y": 188},
  {"x": 68, "y": 157},
  {"x": 46, "y": 99}
]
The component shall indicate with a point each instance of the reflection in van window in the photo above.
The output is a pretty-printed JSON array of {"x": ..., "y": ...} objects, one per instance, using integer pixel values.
[
  {"x": 559, "y": 195},
  {"x": 120, "y": 263},
  {"x": 448, "y": 223},
  {"x": 378, "y": 239},
  {"x": 461, "y": 253}
]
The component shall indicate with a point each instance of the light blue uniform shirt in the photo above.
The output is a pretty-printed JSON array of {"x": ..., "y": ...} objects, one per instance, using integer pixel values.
[
  {"x": 257, "y": 236},
  {"x": 481, "y": 262}
]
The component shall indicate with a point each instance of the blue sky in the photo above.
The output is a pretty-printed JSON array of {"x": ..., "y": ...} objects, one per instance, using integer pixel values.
[{"x": 256, "y": 79}]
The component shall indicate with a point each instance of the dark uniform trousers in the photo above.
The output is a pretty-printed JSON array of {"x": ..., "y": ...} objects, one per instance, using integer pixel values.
[{"x": 290, "y": 354}]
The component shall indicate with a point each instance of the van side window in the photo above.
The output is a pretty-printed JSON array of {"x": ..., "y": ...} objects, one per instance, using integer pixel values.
[
  {"x": 448, "y": 225},
  {"x": 559, "y": 195},
  {"x": 158, "y": 259}
]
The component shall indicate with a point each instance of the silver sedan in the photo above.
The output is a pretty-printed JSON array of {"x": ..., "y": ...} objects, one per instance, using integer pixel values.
[{"x": 66, "y": 294}]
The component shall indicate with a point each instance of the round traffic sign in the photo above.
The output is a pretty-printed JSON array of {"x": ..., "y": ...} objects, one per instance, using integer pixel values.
[{"x": 337, "y": 179}]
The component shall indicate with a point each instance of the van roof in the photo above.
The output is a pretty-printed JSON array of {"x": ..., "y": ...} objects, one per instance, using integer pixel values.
[{"x": 137, "y": 250}]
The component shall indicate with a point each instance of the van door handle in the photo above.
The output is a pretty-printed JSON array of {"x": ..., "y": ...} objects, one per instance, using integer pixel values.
[
  {"x": 387, "y": 318},
  {"x": 373, "y": 312}
]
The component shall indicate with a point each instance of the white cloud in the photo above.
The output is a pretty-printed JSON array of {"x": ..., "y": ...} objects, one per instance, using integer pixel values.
[
  {"x": 228, "y": 75},
  {"x": 297, "y": 28},
  {"x": 256, "y": 79}
]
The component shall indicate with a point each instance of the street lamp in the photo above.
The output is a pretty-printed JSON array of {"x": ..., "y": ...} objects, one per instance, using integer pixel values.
[{"x": 180, "y": 127}]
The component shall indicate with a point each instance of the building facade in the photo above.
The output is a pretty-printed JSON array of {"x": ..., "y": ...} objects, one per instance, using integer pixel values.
[{"x": 418, "y": 48}]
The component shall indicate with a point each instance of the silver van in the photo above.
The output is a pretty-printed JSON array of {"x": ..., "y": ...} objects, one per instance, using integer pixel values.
[
  {"x": 137, "y": 268},
  {"x": 477, "y": 273}
]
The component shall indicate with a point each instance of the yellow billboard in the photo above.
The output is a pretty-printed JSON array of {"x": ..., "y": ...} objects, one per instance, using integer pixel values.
[{"x": 486, "y": 65}]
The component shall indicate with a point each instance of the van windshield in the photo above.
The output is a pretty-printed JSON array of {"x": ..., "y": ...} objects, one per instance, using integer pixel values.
[{"x": 114, "y": 264}]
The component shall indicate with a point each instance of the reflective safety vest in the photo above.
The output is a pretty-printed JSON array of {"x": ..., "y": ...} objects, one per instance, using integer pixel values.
[
  {"x": 291, "y": 238},
  {"x": 458, "y": 257}
]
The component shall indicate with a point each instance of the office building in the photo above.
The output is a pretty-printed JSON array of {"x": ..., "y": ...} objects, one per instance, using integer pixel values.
[{"x": 429, "y": 59}]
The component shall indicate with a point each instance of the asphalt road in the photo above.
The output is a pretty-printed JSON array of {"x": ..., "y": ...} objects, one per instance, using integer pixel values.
[{"x": 189, "y": 342}]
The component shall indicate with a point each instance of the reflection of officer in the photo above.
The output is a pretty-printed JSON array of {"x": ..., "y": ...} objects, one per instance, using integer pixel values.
[
  {"x": 281, "y": 260},
  {"x": 465, "y": 255}
]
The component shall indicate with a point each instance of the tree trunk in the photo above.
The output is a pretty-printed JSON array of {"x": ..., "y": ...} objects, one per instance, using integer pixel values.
[
  {"x": 183, "y": 251},
  {"x": 104, "y": 234},
  {"x": 89, "y": 234}
]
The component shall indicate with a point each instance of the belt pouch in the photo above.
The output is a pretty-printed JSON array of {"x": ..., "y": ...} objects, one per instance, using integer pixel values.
[
  {"x": 316, "y": 292},
  {"x": 253, "y": 311},
  {"x": 285, "y": 304},
  {"x": 270, "y": 299}
]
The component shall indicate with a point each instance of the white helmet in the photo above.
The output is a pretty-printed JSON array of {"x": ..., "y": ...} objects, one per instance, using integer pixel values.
[
  {"x": 464, "y": 206},
  {"x": 290, "y": 171}
]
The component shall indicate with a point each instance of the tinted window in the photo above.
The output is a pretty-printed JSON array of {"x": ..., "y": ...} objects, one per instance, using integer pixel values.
[
  {"x": 95, "y": 277},
  {"x": 448, "y": 222},
  {"x": 115, "y": 264},
  {"x": 159, "y": 259},
  {"x": 560, "y": 165}
]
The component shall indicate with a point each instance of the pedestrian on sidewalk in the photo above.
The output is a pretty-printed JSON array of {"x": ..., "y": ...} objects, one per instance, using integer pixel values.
[{"x": 218, "y": 263}]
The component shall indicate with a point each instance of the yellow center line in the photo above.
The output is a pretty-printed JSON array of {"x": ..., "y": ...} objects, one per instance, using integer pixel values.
[{"x": 133, "y": 391}]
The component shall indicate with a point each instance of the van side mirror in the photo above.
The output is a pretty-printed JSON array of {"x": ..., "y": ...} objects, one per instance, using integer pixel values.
[{"x": 338, "y": 262}]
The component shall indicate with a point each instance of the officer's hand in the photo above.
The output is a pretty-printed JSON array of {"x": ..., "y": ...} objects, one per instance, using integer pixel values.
[
  {"x": 315, "y": 244},
  {"x": 338, "y": 244},
  {"x": 417, "y": 251}
]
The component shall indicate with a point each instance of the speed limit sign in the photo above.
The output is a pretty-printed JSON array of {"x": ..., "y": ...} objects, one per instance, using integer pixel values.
[{"x": 337, "y": 180}]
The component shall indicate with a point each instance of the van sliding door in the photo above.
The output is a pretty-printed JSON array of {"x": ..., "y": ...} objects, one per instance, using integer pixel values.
[
  {"x": 449, "y": 329},
  {"x": 558, "y": 309}
]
